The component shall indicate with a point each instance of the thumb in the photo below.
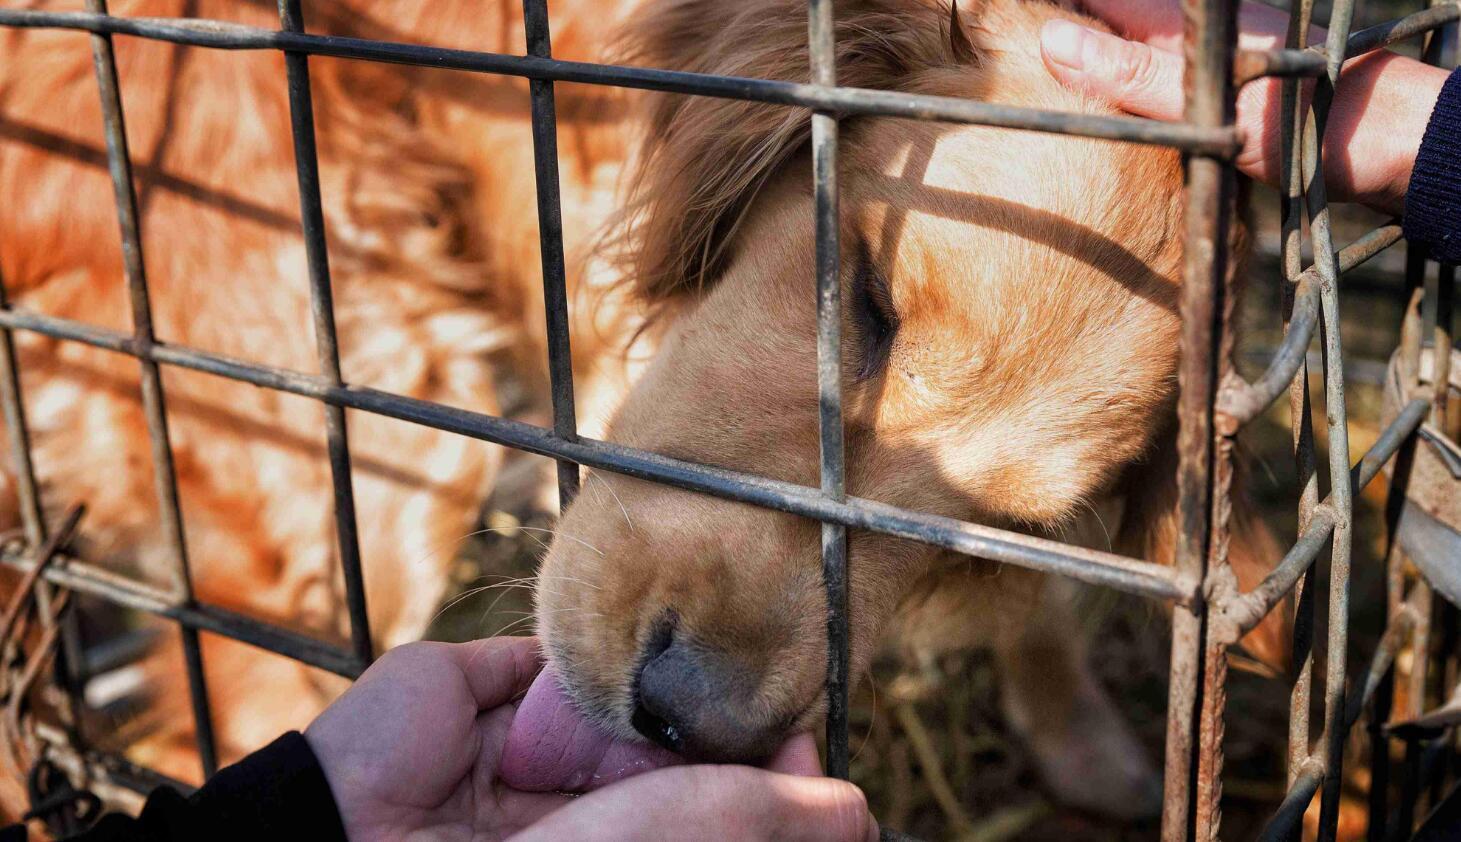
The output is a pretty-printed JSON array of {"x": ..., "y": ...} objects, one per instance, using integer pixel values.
[
  {"x": 1135, "y": 77},
  {"x": 713, "y": 802}
]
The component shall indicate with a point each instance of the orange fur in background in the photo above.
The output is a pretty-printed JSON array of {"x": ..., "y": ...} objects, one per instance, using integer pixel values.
[{"x": 427, "y": 180}]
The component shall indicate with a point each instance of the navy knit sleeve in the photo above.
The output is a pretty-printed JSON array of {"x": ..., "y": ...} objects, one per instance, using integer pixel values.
[{"x": 1433, "y": 201}]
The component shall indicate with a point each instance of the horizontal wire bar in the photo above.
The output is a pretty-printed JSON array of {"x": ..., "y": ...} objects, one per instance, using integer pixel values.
[
  {"x": 1239, "y": 401},
  {"x": 1091, "y": 566},
  {"x": 1250, "y": 65},
  {"x": 1246, "y": 610},
  {"x": 1217, "y": 141},
  {"x": 86, "y": 578},
  {"x": 1384, "y": 34}
]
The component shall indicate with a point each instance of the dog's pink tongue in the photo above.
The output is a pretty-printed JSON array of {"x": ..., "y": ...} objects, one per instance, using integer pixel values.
[{"x": 551, "y": 747}]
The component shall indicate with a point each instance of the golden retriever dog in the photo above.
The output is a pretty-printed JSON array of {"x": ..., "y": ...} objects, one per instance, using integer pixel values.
[{"x": 1011, "y": 348}]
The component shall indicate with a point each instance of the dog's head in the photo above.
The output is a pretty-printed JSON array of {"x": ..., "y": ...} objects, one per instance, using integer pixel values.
[{"x": 1010, "y": 345}]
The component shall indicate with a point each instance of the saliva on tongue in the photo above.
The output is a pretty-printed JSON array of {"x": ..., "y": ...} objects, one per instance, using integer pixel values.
[{"x": 551, "y": 747}]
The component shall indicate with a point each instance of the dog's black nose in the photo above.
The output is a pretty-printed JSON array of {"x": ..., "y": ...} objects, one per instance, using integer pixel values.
[{"x": 692, "y": 701}]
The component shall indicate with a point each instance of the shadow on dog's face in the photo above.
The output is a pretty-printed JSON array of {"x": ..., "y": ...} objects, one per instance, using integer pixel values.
[{"x": 1010, "y": 343}]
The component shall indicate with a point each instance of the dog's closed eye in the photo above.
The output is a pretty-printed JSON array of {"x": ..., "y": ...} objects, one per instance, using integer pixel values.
[{"x": 874, "y": 318}]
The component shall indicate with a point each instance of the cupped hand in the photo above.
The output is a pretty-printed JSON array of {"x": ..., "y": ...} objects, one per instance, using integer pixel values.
[
  {"x": 412, "y": 751},
  {"x": 1376, "y": 123}
]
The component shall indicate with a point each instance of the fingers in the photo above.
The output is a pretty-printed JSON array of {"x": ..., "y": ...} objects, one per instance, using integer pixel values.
[
  {"x": 1135, "y": 77},
  {"x": 1156, "y": 22},
  {"x": 497, "y": 669},
  {"x": 714, "y": 802}
]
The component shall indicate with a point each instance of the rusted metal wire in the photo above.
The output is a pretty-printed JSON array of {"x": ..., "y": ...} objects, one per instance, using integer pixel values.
[
  {"x": 119, "y": 161},
  {"x": 1093, "y": 566},
  {"x": 844, "y": 101},
  {"x": 1336, "y": 417},
  {"x": 821, "y": 39},
  {"x": 322, "y": 308},
  {"x": 550, "y": 242}
]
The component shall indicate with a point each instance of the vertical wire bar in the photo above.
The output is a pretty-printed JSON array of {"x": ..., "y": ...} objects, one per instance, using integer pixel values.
[
  {"x": 1440, "y": 307},
  {"x": 1411, "y": 331},
  {"x": 27, "y": 489},
  {"x": 28, "y": 496},
  {"x": 1409, "y": 790},
  {"x": 119, "y": 163},
  {"x": 1221, "y": 27},
  {"x": 1191, "y": 755},
  {"x": 822, "y": 41},
  {"x": 1379, "y": 801},
  {"x": 322, "y": 305},
  {"x": 550, "y": 245},
  {"x": 1292, "y": 197},
  {"x": 1335, "y": 417}
]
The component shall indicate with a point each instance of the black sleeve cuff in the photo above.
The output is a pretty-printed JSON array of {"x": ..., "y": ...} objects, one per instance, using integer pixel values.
[
  {"x": 1433, "y": 200},
  {"x": 279, "y": 792}
]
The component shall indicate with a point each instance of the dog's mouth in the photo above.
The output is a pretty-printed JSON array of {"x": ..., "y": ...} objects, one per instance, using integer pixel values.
[{"x": 552, "y": 746}]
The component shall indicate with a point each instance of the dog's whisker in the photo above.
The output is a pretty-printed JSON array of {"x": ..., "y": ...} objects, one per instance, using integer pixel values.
[
  {"x": 455, "y": 542},
  {"x": 622, "y": 509},
  {"x": 451, "y": 603},
  {"x": 515, "y": 624}
]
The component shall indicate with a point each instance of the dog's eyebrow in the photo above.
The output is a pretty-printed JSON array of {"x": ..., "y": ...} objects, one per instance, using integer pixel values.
[{"x": 1036, "y": 224}]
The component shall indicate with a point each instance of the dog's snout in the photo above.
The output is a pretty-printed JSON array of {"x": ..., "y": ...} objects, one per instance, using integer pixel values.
[{"x": 685, "y": 700}]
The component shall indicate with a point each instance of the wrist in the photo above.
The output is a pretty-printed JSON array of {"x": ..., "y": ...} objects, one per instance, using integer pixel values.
[{"x": 1376, "y": 126}]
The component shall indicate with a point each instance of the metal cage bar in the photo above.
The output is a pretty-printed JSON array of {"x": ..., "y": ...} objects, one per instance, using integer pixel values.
[
  {"x": 322, "y": 308},
  {"x": 1092, "y": 566},
  {"x": 1214, "y": 403},
  {"x": 844, "y": 101},
  {"x": 1335, "y": 415},
  {"x": 120, "y": 165},
  {"x": 550, "y": 244},
  {"x": 1188, "y": 795},
  {"x": 821, "y": 38},
  {"x": 27, "y": 490}
]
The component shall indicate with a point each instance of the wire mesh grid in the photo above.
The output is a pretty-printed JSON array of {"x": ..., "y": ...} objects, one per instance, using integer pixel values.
[{"x": 1209, "y": 613}]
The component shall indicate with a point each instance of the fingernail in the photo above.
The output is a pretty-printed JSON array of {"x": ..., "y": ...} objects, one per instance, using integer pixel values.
[{"x": 1063, "y": 41}]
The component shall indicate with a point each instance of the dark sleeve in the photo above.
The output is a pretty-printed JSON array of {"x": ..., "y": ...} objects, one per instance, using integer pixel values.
[
  {"x": 276, "y": 794},
  {"x": 1433, "y": 200}
]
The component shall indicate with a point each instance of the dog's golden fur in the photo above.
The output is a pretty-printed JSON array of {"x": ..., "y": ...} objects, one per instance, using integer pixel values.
[
  {"x": 1031, "y": 378},
  {"x": 1030, "y": 285}
]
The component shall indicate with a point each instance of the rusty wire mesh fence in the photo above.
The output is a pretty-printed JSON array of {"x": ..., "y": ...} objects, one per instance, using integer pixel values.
[{"x": 1210, "y": 614}]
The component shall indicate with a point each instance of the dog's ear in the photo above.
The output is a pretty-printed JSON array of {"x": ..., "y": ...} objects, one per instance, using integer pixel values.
[
  {"x": 1151, "y": 526},
  {"x": 703, "y": 160},
  {"x": 959, "y": 44}
]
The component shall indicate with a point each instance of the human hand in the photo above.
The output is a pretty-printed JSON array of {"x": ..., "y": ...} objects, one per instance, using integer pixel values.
[
  {"x": 1376, "y": 122},
  {"x": 412, "y": 751}
]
